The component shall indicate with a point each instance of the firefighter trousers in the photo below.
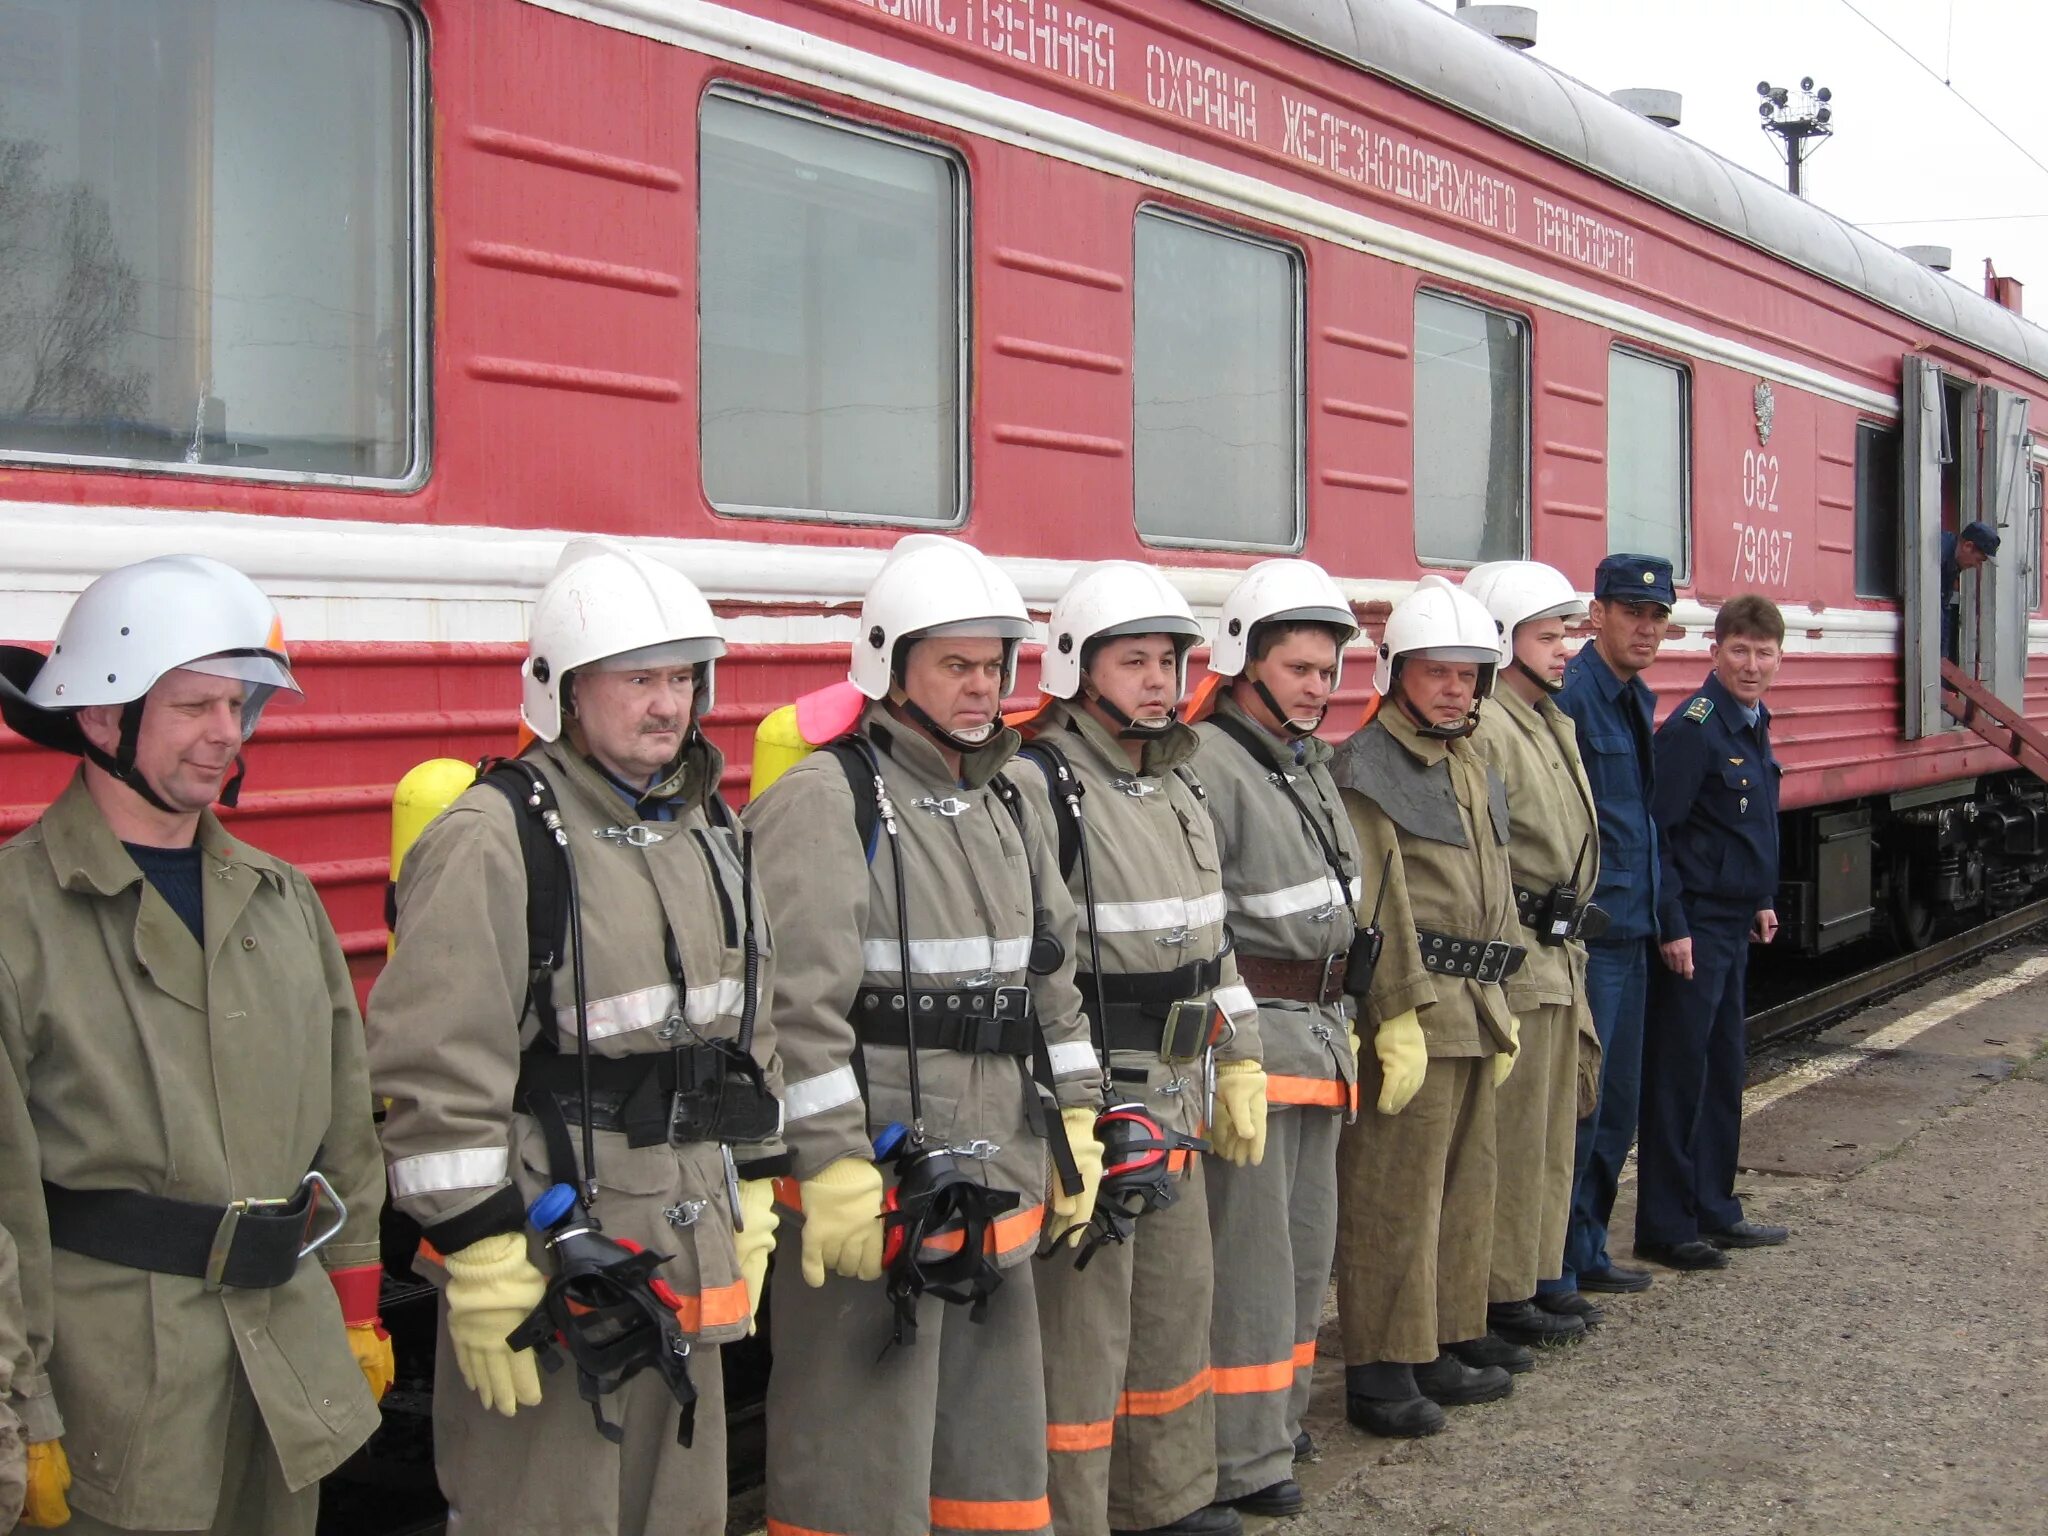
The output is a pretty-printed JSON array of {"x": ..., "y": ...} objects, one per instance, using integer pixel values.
[
  {"x": 1275, "y": 1231},
  {"x": 254, "y": 1499},
  {"x": 547, "y": 1471},
  {"x": 1415, "y": 1214},
  {"x": 944, "y": 1434},
  {"x": 1130, "y": 1428},
  {"x": 1536, "y": 1129}
]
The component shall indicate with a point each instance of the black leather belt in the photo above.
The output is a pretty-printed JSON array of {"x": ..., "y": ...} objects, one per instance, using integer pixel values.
[
  {"x": 691, "y": 1093},
  {"x": 1448, "y": 955},
  {"x": 994, "y": 1021},
  {"x": 249, "y": 1244},
  {"x": 1137, "y": 1004}
]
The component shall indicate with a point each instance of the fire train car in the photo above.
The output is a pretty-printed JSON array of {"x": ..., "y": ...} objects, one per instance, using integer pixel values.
[{"x": 381, "y": 301}]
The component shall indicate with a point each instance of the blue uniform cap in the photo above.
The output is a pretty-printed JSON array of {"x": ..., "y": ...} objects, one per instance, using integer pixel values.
[
  {"x": 1983, "y": 535},
  {"x": 1635, "y": 579}
]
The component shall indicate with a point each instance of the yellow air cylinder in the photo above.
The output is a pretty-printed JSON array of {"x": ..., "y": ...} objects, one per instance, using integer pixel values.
[
  {"x": 779, "y": 746},
  {"x": 424, "y": 793}
]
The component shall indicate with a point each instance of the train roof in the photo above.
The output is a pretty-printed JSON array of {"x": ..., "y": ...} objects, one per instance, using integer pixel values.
[{"x": 1429, "y": 51}]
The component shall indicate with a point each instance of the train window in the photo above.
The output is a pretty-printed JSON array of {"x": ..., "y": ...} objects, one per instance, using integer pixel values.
[
  {"x": 831, "y": 294},
  {"x": 2030, "y": 547},
  {"x": 212, "y": 239},
  {"x": 1879, "y": 512},
  {"x": 1649, "y": 445},
  {"x": 1216, "y": 383},
  {"x": 1471, "y": 432}
]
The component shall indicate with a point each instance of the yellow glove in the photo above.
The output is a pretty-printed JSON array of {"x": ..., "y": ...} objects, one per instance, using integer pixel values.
[
  {"x": 1071, "y": 1213},
  {"x": 491, "y": 1288},
  {"x": 371, "y": 1346},
  {"x": 843, "y": 1221},
  {"x": 1504, "y": 1061},
  {"x": 49, "y": 1477},
  {"x": 1239, "y": 1133},
  {"x": 1351, "y": 1034},
  {"x": 1404, "y": 1058},
  {"x": 756, "y": 1240}
]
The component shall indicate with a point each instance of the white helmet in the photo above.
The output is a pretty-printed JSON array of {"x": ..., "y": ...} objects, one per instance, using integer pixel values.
[
  {"x": 1438, "y": 622},
  {"x": 129, "y": 628},
  {"x": 932, "y": 585},
  {"x": 1516, "y": 591},
  {"x": 606, "y": 602},
  {"x": 1279, "y": 592},
  {"x": 1113, "y": 597}
]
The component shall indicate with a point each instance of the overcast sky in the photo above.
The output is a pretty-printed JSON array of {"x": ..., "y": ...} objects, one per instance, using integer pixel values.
[{"x": 1909, "y": 161}]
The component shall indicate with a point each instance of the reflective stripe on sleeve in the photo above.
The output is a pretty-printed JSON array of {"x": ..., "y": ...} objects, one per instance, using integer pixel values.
[
  {"x": 815, "y": 1095},
  {"x": 946, "y": 957},
  {"x": 1306, "y": 897},
  {"x": 1163, "y": 915},
  {"x": 1071, "y": 1056},
  {"x": 651, "y": 1006},
  {"x": 434, "y": 1173},
  {"x": 1236, "y": 1001}
]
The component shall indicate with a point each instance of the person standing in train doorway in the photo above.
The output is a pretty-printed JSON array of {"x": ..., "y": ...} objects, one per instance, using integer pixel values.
[
  {"x": 1293, "y": 874},
  {"x": 1604, "y": 693},
  {"x": 187, "y": 1160},
  {"x": 926, "y": 1011},
  {"x": 1554, "y": 851},
  {"x": 1975, "y": 545},
  {"x": 1716, "y": 807}
]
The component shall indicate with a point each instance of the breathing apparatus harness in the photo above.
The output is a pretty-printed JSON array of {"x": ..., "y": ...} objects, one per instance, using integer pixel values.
[
  {"x": 1362, "y": 957},
  {"x": 934, "y": 1204},
  {"x": 1137, "y": 1150},
  {"x": 605, "y": 1305}
]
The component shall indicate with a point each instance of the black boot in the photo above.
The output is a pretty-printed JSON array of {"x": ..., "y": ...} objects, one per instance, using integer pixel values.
[
  {"x": 1209, "y": 1520},
  {"x": 1452, "y": 1383},
  {"x": 1305, "y": 1448},
  {"x": 1523, "y": 1322},
  {"x": 1279, "y": 1500},
  {"x": 1492, "y": 1349},
  {"x": 1382, "y": 1399},
  {"x": 1572, "y": 1304}
]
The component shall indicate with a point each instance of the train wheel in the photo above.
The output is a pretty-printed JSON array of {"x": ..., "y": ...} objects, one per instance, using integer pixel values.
[{"x": 1909, "y": 905}]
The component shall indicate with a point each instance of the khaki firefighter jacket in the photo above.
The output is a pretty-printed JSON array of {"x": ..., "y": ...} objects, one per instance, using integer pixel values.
[
  {"x": 133, "y": 1059},
  {"x": 1534, "y": 748},
  {"x": 1159, "y": 901},
  {"x": 1285, "y": 904},
  {"x": 968, "y": 878},
  {"x": 450, "y": 1014},
  {"x": 1443, "y": 814}
]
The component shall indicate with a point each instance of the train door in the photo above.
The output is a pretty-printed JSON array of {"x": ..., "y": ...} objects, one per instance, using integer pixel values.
[{"x": 1964, "y": 448}]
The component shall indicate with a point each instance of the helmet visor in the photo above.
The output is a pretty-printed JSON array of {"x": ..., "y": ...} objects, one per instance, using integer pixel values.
[
  {"x": 690, "y": 651},
  {"x": 1472, "y": 653},
  {"x": 261, "y": 669},
  {"x": 994, "y": 627},
  {"x": 1175, "y": 625}
]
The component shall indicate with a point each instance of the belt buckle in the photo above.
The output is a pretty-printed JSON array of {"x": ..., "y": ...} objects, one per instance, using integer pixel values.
[
  {"x": 1493, "y": 962},
  {"x": 314, "y": 1183},
  {"x": 1011, "y": 1003}
]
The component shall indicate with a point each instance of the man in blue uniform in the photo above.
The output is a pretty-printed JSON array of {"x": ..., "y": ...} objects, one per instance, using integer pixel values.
[
  {"x": 1716, "y": 806},
  {"x": 1632, "y": 600},
  {"x": 1960, "y": 552}
]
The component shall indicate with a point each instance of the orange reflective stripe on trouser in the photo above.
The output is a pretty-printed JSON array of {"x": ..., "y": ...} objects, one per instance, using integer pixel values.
[
  {"x": 1327, "y": 1092},
  {"x": 719, "y": 1308},
  {"x": 1005, "y": 1234},
  {"x": 784, "y": 1528},
  {"x": 1078, "y": 1439},
  {"x": 991, "y": 1514},
  {"x": 1142, "y": 1405},
  {"x": 1235, "y": 1380},
  {"x": 1305, "y": 1355}
]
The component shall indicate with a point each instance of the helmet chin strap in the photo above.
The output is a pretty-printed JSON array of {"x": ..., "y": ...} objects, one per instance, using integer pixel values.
[
  {"x": 953, "y": 739},
  {"x": 1295, "y": 729},
  {"x": 120, "y": 763},
  {"x": 1129, "y": 728},
  {"x": 1540, "y": 681}
]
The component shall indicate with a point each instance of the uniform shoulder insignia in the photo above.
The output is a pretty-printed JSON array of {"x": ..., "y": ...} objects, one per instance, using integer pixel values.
[{"x": 1698, "y": 710}]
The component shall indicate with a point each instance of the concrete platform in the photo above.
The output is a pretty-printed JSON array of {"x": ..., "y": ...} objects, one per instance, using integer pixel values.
[{"x": 1880, "y": 1373}]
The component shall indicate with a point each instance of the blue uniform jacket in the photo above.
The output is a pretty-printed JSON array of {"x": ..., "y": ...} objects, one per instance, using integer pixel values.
[
  {"x": 1716, "y": 803},
  {"x": 1615, "y": 720}
]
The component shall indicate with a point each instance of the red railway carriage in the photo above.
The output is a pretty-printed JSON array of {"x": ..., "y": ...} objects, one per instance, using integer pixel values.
[{"x": 381, "y": 301}]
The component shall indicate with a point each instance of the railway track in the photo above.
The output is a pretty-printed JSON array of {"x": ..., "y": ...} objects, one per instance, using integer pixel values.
[{"x": 1814, "y": 1010}]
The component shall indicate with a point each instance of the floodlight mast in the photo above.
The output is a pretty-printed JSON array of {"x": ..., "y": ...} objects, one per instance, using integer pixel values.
[{"x": 1800, "y": 119}]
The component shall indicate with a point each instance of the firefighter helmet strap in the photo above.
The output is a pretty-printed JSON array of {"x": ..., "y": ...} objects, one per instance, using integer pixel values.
[
  {"x": 120, "y": 763},
  {"x": 938, "y": 732},
  {"x": 1540, "y": 681}
]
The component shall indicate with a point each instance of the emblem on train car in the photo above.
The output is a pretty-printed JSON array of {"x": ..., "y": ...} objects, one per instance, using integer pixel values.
[{"x": 1766, "y": 410}]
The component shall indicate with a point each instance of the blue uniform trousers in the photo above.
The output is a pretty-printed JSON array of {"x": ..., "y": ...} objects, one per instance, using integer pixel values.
[
  {"x": 1693, "y": 1065},
  {"x": 1616, "y": 975}
]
